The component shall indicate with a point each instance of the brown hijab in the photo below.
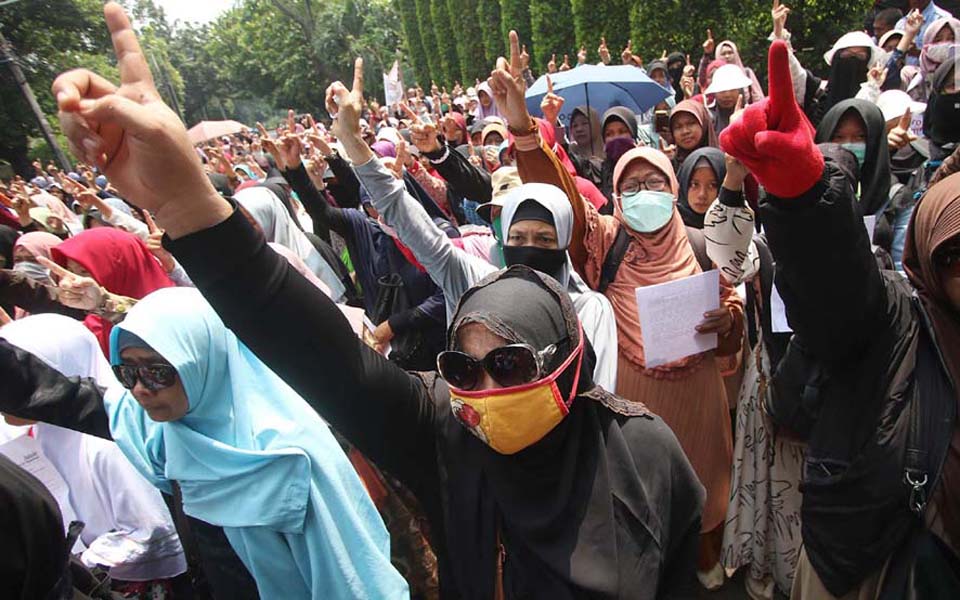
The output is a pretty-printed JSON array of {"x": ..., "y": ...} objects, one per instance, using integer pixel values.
[
  {"x": 702, "y": 115},
  {"x": 935, "y": 220}
]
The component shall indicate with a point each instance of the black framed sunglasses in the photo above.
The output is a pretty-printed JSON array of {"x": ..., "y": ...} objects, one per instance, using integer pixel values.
[
  {"x": 511, "y": 365},
  {"x": 153, "y": 377}
]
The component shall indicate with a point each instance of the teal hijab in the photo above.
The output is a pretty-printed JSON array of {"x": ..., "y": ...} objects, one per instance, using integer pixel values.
[{"x": 251, "y": 456}]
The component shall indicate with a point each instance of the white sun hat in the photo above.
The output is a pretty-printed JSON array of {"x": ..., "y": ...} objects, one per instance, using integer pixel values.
[
  {"x": 854, "y": 39},
  {"x": 726, "y": 78}
]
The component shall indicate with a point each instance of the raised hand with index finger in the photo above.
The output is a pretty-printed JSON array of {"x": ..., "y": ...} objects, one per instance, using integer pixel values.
[
  {"x": 508, "y": 87},
  {"x": 129, "y": 133},
  {"x": 773, "y": 138}
]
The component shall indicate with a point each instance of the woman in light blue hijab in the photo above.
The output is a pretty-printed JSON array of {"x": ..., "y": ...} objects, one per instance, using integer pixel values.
[{"x": 248, "y": 453}]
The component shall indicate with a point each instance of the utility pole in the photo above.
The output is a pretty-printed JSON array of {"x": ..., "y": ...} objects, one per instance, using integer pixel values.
[{"x": 8, "y": 57}]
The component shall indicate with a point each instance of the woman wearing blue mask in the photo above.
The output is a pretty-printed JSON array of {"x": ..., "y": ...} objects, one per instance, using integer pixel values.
[{"x": 859, "y": 126}]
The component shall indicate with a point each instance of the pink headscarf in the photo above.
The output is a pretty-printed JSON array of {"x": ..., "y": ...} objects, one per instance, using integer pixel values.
[
  {"x": 56, "y": 207},
  {"x": 37, "y": 243},
  {"x": 928, "y": 63}
]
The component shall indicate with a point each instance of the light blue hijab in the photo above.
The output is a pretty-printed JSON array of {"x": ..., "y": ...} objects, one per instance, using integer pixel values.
[{"x": 252, "y": 457}]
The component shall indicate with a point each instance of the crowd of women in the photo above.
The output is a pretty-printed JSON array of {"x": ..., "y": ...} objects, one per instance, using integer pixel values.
[{"x": 399, "y": 354}]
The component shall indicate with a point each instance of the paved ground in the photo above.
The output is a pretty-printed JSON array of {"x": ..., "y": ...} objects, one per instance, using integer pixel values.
[{"x": 732, "y": 590}]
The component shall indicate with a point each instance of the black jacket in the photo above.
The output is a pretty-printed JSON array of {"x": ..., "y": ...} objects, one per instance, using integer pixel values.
[{"x": 868, "y": 331}]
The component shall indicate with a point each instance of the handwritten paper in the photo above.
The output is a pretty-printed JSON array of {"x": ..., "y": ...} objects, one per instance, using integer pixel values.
[
  {"x": 669, "y": 314},
  {"x": 25, "y": 452}
]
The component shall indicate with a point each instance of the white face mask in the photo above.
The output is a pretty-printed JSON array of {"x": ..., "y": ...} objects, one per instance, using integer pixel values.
[
  {"x": 941, "y": 52},
  {"x": 646, "y": 211},
  {"x": 33, "y": 270}
]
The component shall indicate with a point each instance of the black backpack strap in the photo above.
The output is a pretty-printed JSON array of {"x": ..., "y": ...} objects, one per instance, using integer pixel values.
[
  {"x": 698, "y": 244},
  {"x": 611, "y": 264}
]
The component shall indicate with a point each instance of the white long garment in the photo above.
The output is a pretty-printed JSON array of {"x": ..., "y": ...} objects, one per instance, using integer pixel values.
[{"x": 127, "y": 525}]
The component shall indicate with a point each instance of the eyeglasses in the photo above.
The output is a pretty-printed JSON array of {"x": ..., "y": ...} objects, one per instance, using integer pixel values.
[
  {"x": 512, "y": 365},
  {"x": 654, "y": 183},
  {"x": 153, "y": 377}
]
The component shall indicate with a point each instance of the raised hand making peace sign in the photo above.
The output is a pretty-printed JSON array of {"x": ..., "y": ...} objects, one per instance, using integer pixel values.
[
  {"x": 130, "y": 133},
  {"x": 508, "y": 87}
]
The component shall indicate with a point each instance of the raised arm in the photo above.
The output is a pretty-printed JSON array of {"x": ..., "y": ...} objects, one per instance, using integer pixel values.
[
  {"x": 289, "y": 323},
  {"x": 812, "y": 219},
  {"x": 535, "y": 161}
]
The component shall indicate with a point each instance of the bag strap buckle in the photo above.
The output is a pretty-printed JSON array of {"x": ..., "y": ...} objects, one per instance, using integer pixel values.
[{"x": 917, "y": 480}]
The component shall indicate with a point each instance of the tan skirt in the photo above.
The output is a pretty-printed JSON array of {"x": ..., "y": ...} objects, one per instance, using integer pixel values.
[{"x": 696, "y": 409}]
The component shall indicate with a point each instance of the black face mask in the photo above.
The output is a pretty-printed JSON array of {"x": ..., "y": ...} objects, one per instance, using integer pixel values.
[
  {"x": 943, "y": 112},
  {"x": 846, "y": 75},
  {"x": 545, "y": 260}
]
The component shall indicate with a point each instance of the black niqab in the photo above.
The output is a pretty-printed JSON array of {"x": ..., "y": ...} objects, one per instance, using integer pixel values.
[
  {"x": 875, "y": 175},
  {"x": 846, "y": 75},
  {"x": 941, "y": 121}
]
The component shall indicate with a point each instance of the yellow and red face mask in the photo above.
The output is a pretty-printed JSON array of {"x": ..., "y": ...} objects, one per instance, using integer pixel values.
[{"x": 513, "y": 418}]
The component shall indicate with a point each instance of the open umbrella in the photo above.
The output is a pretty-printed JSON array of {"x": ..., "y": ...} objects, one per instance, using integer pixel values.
[
  {"x": 600, "y": 87},
  {"x": 207, "y": 130}
]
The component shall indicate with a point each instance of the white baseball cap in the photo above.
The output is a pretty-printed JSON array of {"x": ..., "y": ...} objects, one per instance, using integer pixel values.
[{"x": 893, "y": 103}]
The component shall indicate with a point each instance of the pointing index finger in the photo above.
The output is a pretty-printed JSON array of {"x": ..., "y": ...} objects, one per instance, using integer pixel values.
[
  {"x": 515, "y": 65},
  {"x": 130, "y": 59},
  {"x": 905, "y": 118},
  {"x": 549, "y": 85},
  {"x": 358, "y": 76},
  {"x": 151, "y": 224},
  {"x": 53, "y": 267}
]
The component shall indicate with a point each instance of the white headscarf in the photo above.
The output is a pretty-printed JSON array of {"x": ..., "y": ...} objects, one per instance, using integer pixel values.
[
  {"x": 128, "y": 527},
  {"x": 268, "y": 211},
  {"x": 594, "y": 309}
]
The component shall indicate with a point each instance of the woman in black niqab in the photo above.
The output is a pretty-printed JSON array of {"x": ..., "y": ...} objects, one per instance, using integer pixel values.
[{"x": 605, "y": 505}]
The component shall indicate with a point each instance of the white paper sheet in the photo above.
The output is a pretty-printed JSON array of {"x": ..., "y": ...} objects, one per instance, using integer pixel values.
[
  {"x": 778, "y": 312},
  {"x": 669, "y": 314},
  {"x": 870, "y": 222},
  {"x": 25, "y": 452}
]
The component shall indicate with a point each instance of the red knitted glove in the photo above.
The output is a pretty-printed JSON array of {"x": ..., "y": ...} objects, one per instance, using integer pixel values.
[{"x": 773, "y": 138}]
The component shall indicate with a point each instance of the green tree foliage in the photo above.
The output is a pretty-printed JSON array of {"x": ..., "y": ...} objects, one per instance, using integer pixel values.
[
  {"x": 552, "y": 32},
  {"x": 593, "y": 20},
  {"x": 446, "y": 35},
  {"x": 49, "y": 37},
  {"x": 414, "y": 43},
  {"x": 429, "y": 39},
  {"x": 488, "y": 17},
  {"x": 515, "y": 14},
  {"x": 469, "y": 39},
  {"x": 815, "y": 25}
]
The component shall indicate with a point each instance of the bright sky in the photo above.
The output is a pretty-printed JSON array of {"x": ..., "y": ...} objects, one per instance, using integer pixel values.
[{"x": 197, "y": 11}]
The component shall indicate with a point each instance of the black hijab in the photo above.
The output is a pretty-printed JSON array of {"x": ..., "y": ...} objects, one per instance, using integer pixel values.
[
  {"x": 8, "y": 237},
  {"x": 941, "y": 121},
  {"x": 31, "y": 528},
  {"x": 717, "y": 161},
  {"x": 622, "y": 114},
  {"x": 846, "y": 75},
  {"x": 598, "y": 508},
  {"x": 875, "y": 175}
]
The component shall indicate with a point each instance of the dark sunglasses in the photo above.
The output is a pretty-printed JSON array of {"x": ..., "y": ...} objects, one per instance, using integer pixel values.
[
  {"x": 512, "y": 365},
  {"x": 153, "y": 377}
]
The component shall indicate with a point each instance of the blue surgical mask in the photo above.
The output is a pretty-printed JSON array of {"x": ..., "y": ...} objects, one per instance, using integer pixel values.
[
  {"x": 646, "y": 211},
  {"x": 33, "y": 270},
  {"x": 859, "y": 149}
]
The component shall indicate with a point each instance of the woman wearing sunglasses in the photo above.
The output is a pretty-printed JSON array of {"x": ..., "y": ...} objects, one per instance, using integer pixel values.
[{"x": 248, "y": 453}]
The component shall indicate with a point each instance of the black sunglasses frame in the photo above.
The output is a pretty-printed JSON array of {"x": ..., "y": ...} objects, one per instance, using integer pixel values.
[
  {"x": 489, "y": 363},
  {"x": 153, "y": 377}
]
